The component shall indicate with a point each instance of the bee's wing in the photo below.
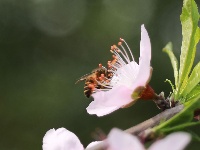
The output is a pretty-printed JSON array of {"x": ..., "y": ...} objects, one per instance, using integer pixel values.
[
  {"x": 86, "y": 75},
  {"x": 83, "y": 78}
]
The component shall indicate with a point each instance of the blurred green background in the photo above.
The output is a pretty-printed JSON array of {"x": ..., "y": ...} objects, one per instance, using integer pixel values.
[{"x": 46, "y": 45}]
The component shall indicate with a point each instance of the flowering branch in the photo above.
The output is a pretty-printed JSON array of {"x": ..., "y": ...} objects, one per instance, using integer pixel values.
[
  {"x": 165, "y": 115},
  {"x": 123, "y": 81},
  {"x": 142, "y": 127}
]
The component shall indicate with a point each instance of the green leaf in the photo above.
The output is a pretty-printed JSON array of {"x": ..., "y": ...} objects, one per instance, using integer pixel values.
[
  {"x": 193, "y": 80},
  {"x": 183, "y": 117},
  {"x": 169, "y": 50},
  {"x": 180, "y": 127},
  {"x": 190, "y": 32},
  {"x": 195, "y": 91}
]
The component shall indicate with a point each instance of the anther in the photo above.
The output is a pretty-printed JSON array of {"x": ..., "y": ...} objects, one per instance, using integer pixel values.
[
  {"x": 119, "y": 43},
  {"x": 122, "y": 40},
  {"x": 114, "y": 57},
  {"x": 114, "y": 46}
]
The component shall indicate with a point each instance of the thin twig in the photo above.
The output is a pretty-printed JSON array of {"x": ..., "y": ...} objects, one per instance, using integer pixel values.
[{"x": 165, "y": 115}]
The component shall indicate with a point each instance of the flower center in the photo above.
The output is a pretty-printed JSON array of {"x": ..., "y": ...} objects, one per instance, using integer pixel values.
[{"x": 121, "y": 70}]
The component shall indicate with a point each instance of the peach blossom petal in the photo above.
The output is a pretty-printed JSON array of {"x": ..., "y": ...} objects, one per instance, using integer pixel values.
[
  {"x": 145, "y": 44},
  {"x": 109, "y": 101},
  {"x": 145, "y": 59},
  {"x": 93, "y": 144},
  {"x": 61, "y": 139},
  {"x": 119, "y": 140},
  {"x": 174, "y": 141}
]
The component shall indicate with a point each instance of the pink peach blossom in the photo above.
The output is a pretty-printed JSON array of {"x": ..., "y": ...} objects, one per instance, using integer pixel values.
[{"x": 127, "y": 77}]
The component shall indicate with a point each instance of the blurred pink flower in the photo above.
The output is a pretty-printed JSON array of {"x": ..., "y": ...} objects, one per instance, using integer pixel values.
[
  {"x": 62, "y": 139},
  {"x": 129, "y": 79},
  {"x": 120, "y": 140}
]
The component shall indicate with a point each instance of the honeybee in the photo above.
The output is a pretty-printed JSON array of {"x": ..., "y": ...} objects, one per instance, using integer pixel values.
[
  {"x": 94, "y": 80},
  {"x": 100, "y": 77}
]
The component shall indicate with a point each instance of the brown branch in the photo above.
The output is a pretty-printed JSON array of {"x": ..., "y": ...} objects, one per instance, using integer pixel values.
[{"x": 165, "y": 115}]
